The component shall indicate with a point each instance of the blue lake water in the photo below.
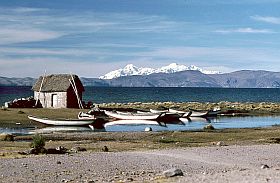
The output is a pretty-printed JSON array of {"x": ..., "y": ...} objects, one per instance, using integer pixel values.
[
  {"x": 123, "y": 95},
  {"x": 194, "y": 124}
]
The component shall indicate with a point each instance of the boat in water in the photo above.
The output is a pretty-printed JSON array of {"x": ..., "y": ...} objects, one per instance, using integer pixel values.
[
  {"x": 62, "y": 122},
  {"x": 132, "y": 116},
  {"x": 183, "y": 114},
  {"x": 131, "y": 122}
]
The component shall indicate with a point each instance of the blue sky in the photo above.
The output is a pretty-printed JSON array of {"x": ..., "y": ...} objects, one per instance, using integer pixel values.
[{"x": 93, "y": 37}]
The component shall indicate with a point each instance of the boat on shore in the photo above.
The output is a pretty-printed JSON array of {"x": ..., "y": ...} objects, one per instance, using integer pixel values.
[
  {"x": 132, "y": 122},
  {"x": 132, "y": 116},
  {"x": 62, "y": 122},
  {"x": 184, "y": 114},
  {"x": 212, "y": 112},
  {"x": 85, "y": 115}
]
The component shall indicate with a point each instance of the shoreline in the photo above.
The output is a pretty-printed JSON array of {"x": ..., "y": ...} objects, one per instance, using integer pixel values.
[{"x": 199, "y": 164}]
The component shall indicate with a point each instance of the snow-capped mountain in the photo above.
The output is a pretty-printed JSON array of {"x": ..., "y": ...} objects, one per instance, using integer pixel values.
[{"x": 130, "y": 70}]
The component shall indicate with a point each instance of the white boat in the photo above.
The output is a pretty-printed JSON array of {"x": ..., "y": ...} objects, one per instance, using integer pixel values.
[
  {"x": 85, "y": 115},
  {"x": 158, "y": 111},
  {"x": 131, "y": 122},
  {"x": 184, "y": 114},
  {"x": 132, "y": 116},
  {"x": 195, "y": 119},
  {"x": 62, "y": 122}
]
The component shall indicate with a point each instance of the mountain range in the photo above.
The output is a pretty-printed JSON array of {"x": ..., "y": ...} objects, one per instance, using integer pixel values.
[
  {"x": 185, "y": 78},
  {"x": 131, "y": 70}
]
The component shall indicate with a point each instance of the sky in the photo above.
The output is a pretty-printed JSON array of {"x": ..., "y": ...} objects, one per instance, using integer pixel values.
[{"x": 93, "y": 37}]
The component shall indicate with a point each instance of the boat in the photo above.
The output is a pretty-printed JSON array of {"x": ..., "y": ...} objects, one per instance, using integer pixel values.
[
  {"x": 184, "y": 114},
  {"x": 158, "y": 111},
  {"x": 62, "y": 122},
  {"x": 85, "y": 115},
  {"x": 213, "y": 112},
  {"x": 132, "y": 116},
  {"x": 131, "y": 122},
  {"x": 195, "y": 119}
]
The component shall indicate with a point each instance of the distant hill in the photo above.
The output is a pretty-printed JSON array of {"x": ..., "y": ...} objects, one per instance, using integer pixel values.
[
  {"x": 248, "y": 79},
  {"x": 189, "y": 78},
  {"x": 4, "y": 81}
]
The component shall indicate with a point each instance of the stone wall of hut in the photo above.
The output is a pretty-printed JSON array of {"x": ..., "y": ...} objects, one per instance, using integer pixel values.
[{"x": 52, "y": 99}]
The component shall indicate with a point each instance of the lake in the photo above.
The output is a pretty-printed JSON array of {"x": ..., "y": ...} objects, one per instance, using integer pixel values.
[
  {"x": 124, "y": 95},
  {"x": 222, "y": 122}
]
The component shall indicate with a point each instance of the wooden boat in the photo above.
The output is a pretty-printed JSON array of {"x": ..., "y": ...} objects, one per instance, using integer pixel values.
[
  {"x": 158, "y": 111},
  {"x": 132, "y": 116},
  {"x": 195, "y": 119},
  {"x": 85, "y": 115},
  {"x": 62, "y": 122},
  {"x": 212, "y": 112},
  {"x": 184, "y": 114},
  {"x": 131, "y": 122}
]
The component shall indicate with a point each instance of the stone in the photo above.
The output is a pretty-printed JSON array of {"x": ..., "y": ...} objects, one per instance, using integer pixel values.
[
  {"x": 61, "y": 149},
  {"x": 105, "y": 149},
  {"x": 78, "y": 149},
  {"x": 220, "y": 143},
  {"x": 33, "y": 151},
  {"x": 173, "y": 172},
  {"x": 58, "y": 162},
  {"x": 264, "y": 166},
  {"x": 6, "y": 137},
  {"x": 148, "y": 129},
  {"x": 129, "y": 179},
  {"x": 209, "y": 127}
]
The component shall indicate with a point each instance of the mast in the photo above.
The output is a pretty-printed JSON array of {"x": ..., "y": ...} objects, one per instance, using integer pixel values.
[
  {"x": 40, "y": 88},
  {"x": 76, "y": 92}
]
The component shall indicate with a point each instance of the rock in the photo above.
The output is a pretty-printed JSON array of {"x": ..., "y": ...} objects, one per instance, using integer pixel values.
[
  {"x": 6, "y": 137},
  {"x": 173, "y": 172},
  {"x": 209, "y": 127},
  {"x": 58, "y": 162},
  {"x": 220, "y": 143},
  {"x": 23, "y": 152},
  {"x": 78, "y": 149},
  {"x": 61, "y": 149},
  {"x": 58, "y": 150},
  {"x": 148, "y": 129},
  {"x": 129, "y": 179},
  {"x": 33, "y": 151},
  {"x": 264, "y": 166},
  {"x": 105, "y": 149}
]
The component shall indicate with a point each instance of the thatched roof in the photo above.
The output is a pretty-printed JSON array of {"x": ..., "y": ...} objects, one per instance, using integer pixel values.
[{"x": 57, "y": 83}]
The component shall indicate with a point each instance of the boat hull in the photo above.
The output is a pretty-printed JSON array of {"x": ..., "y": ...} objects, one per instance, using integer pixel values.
[
  {"x": 129, "y": 116},
  {"x": 64, "y": 122}
]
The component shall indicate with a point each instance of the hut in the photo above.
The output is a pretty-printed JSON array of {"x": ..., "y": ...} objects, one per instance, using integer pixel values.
[{"x": 59, "y": 91}]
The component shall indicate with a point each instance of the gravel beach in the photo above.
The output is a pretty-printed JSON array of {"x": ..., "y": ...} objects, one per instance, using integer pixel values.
[{"x": 199, "y": 164}]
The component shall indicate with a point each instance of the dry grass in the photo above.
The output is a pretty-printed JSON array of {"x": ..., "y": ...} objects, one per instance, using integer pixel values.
[
  {"x": 138, "y": 141},
  {"x": 11, "y": 116}
]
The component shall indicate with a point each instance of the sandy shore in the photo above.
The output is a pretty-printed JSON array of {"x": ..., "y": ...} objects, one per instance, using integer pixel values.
[{"x": 200, "y": 164}]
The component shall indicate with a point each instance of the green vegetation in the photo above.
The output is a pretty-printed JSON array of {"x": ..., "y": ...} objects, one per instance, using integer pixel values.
[
  {"x": 38, "y": 142},
  {"x": 137, "y": 141}
]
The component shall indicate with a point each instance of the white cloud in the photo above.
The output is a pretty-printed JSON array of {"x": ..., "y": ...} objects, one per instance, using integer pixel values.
[
  {"x": 42, "y": 51},
  {"x": 27, "y": 10},
  {"x": 34, "y": 67},
  {"x": 245, "y": 30},
  {"x": 266, "y": 19},
  {"x": 22, "y": 35}
]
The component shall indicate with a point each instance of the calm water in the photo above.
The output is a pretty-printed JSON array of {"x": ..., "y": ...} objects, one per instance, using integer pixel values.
[
  {"x": 195, "y": 124},
  {"x": 123, "y": 95}
]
